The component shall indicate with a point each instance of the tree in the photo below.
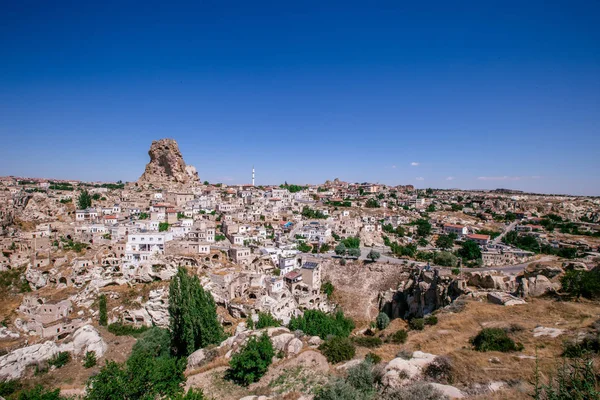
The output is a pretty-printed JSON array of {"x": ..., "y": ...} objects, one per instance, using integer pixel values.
[
  {"x": 382, "y": 321},
  {"x": 193, "y": 315},
  {"x": 327, "y": 288},
  {"x": 252, "y": 361},
  {"x": 470, "y": 250},
  {"x": 373, "y": 255},
  {"x": 423, "y": 227},
  {"x": 163, "y": 226},
  {"x": 444, "y": 242},
  {"x": 354, "y": 252},
  {"x": 318, "y": 323},
  {"x": 430, "y": 208},
  {"x": 445, "y": 259},
  {"x": 372, "y": 203},
  {"x": 85, "y": 200},
  {"x": 340, "y": 249},
  {"x": 39, "y": 393},
  {"x": 266, "y": 320},
  {"x": 338, "y": 349},
  {"x": 303, "y": 247},
  {"x": 103, "y": 319}
]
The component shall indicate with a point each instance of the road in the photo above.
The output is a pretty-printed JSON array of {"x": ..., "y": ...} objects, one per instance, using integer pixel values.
[{"x": 508, "y": 229}]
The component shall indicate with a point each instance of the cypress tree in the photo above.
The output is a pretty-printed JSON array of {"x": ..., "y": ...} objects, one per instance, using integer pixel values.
[
  {"x": 102, "y": 310},
  {"x": 193, "y": 313}
]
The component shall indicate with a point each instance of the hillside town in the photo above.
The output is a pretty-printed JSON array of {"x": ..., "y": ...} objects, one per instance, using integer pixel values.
[{"x": 397, "y": 254}]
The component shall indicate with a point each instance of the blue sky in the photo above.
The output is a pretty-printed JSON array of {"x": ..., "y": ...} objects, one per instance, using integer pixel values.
[{"x": 478, "y": 94}]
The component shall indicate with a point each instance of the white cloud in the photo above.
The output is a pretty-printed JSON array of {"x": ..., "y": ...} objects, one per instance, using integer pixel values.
[
  {"x": 414, "y": 164},
  {"x": 420, "y": 178},
  {"x": 393, "y": 167},
  {"x": 450, "y": 178},
  {"x": 506, "y": 178}
]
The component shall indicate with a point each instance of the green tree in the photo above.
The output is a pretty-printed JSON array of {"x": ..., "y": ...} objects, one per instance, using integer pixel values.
[
  {"x": 266, "y": 320},
  {"x": 430, "y": 208},
  {"x": 470, "y": 250},
  {"x": 445, "y": 259},
  {"x": 303, "y": 247},
  {"x": 423, "y": 227},
  {"x": 90, "y": 359},
  {"x": 318, "y": 323},
  {"x": 444, "y": 242},
  {"x": 372, "y": 203},
  {"x": 252, "y": 361},
  {"x": 85, "y": 200},
  {"x": 163, "y": 226},
  {"x": 354, "y": 252},
  {"x": 340, "y": 249},
  {"x": 338, "y": 349},
  {"x": 373, "y": 255},
  {"x": 382, "y": 321},
  {"x": 193, "y": 315},
  {"x": 39, "y": 393},
  {"x": 328, "y": 289},
  {"x": 103, "y": 317}
]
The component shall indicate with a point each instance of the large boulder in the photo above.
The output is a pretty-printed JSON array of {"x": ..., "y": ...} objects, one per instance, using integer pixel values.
[
  {"x": 547, "y": 270},
  {"x": 400, "y": 370},
  {"x": 167, "y": 166}
]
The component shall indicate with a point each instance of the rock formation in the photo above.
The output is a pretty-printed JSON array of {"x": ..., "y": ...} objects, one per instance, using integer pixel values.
[
  {"x": 166, "y": 165},
  {"x": 423, "y": 293}
]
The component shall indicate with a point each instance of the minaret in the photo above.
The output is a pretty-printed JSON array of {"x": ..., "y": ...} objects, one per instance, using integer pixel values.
[{"x": 253, "y": 175}]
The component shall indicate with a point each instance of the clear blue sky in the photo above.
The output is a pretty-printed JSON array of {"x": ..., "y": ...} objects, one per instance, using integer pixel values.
[{"x": 480, "y": 94}]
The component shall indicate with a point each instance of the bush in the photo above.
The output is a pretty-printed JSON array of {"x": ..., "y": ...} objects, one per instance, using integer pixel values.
[
  {"x": 581, "y": 283},
  {"x": 60, "y": 359},
  {"x": 90, "y": 359},
  {"x": 266, "y": 320},
  {"x": 399, "y": 336},
  {"x": 416, "y": 324},
  {"x": 252, "y": 362},
  {"x": 445, "y": 259},
  {"x": 373, "y": 358},
  {"x": 361, "y": 378},
  {"x": 576, "y": 379},
  {"x": 120, "y": 329},
  {"x": 102, "y": 310},
  {"x": 455, "y": 271},
  {"x": 9, "y": 387},
  {"x": 382, "y": 321},
  {"x": 318, "y": 323},
  {"x": 440, "y": 370},
  {"x": 431, "y": 320},
  {"x": 337, "y": 349},
  {"x": 338, "y": 389},
  {"x": 494, "y": 339},
  {"x": 415, "y": 391},
  {"x": 327, "y": 288},
  {"x": 588, "y": 345},
  {"x": 39, "y": 393},
  {"x": 367, "y": 341}
]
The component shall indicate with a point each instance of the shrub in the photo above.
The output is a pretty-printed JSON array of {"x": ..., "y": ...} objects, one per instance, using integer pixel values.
[
  {"x": 327, "y": 288},
  {"x": 318, "y": 323},
  {"x": 337, "y": 349},
  {"x": 266, "y": 320},
  {"x": 445, "y": 259},
  {"x": 455, "y": 271},
  {"x": 338, "y": 389},
  {"x": 576, "y": 379},
  {"x": 588, "y": 345},
  {"x": 416, "y": 324},
  {"x": 382, "y": 321},
  {"x": 90, "y": 359},
  {"x": 361, "y": 378},
  {"x": 415, "y": 391},
  {"x": 431, "y": 320},
  {"x": 367, "y": 341},
  {"x": 398, "y": 337},
  {"x": 252, "y": 362},
  {"x": 373, "y": 358},
  {"x": 103, "y": 320},
  {"x": 39, "y": 393},
  {"x": 581, "y": 283},
  {"x": 120, "y": 329},
  {"x": 494, "y": 339},
  {"x": 60, "y": 359},
  {"x": 9, "y": 387},
  {"x": 440, "y": 370}
]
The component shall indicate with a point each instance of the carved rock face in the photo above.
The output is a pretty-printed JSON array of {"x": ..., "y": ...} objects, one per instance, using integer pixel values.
[{"x": 167, "y": 166}]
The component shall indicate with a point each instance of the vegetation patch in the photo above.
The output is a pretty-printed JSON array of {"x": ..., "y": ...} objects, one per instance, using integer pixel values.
[
  {"x": 495, "y": 339},
  {"x": 338, "y": 349}
]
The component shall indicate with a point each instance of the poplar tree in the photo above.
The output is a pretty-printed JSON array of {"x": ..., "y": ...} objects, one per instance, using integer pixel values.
[{"x": 193, "y": 315}]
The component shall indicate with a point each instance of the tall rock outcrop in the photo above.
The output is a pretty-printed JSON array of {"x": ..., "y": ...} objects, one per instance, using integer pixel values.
[{"x": 166, "y": 165}]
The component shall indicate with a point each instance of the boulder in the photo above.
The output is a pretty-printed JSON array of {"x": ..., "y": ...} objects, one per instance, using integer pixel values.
[
  {"x": 449, "y": 391},
  {"x": 294, "y": 346},
  {"x": 548, "y": 270},
  {"x": 315, "y": 341},
  {"x": 280, "y": 341},
  {"x": 87, "y": 338},
  {"x": 195, "y": 359},
  {"x": 504, "y": 299},
  {"x": 551, "y": 332}
]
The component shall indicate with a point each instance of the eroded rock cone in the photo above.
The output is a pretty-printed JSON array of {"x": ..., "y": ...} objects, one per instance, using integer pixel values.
[{"x": 167, "y": 166}]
